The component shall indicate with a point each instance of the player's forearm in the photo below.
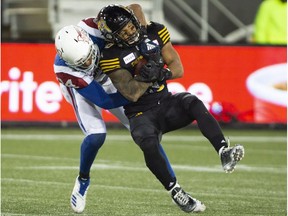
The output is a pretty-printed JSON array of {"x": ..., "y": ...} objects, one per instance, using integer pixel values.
[
  {"x": 172, "y": 60},
  {"x": 130, "y": 88},
  {"x": 133, "y": 89},
  {"x": 138, "y": 89},
  {"x": 177, "y": 69}
]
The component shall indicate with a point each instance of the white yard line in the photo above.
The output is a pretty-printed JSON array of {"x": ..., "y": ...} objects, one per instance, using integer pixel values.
[
  {"x": 132, "y": 166},
  {"x": 182, "y": 138},
  {"x": 125, "y": 188},
  {"x": 14, "y": 214},
  {"x": 188, "y": 168}
]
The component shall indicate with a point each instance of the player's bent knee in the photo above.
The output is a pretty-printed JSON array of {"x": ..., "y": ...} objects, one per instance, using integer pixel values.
[
  {"x": 140, "y": 133},
  {"x": 95, "y": 141},
  {"x": 149, "y": 144},
  {"x": 188, "y": 100},
  {"x": 146, "y": 139}
]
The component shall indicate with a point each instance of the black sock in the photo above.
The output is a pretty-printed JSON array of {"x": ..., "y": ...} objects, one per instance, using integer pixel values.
[
  {"x": 171, "y": 186},
  {"x": 84, "y": 176},
  {"x": 218, "y": 142}
]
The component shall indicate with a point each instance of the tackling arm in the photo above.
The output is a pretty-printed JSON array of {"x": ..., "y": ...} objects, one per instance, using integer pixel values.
[
  {"x": 127, "y": 85},
  {"x": 96, "y": 94},
  {"x": 137, "y": 10}
]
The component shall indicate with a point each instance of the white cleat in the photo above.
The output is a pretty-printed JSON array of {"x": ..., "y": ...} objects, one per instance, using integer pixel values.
[{"x": 78, "y": 196}]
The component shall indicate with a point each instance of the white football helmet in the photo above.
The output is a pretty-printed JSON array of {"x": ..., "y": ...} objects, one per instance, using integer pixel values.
[{"x": 74, "y": 45}]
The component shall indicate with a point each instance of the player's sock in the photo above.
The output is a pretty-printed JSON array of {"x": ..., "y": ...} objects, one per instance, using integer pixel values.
[
  {"x": 167, "y": 161},
  {"x": 218, "y": 142},
  {"x": 89, "y": 148},
  {"x": 84, "y": 176},
  {"x": 157, "y": 163}
]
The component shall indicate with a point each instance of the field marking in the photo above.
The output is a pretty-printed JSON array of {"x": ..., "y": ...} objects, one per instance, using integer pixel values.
[
  {"x": 125, "y": 188},
  {"x": 128, "y": 138},
  {"x": 129, "y": 166},
  {"x": 213, "y": 169},
  {"x": 16, "y": 214},
  {"x": 33, "y": 157}
]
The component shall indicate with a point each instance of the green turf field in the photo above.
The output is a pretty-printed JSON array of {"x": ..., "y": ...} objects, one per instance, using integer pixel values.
[{"x": 39, "y": 167}]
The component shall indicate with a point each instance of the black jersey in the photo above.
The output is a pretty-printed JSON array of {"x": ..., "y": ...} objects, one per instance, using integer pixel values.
[{"x": 114, "y": 57}]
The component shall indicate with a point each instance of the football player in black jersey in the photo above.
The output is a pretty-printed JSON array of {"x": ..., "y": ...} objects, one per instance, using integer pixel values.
[{"x": 156, "y": 111}]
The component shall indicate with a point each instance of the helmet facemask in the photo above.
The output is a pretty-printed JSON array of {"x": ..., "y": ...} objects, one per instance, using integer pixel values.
[
  {"x": 92, "y": 58},
  {"x": 130, "y": 40}
]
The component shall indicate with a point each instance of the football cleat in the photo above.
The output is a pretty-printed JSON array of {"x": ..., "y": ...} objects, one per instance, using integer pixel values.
[
  {"x": 185, "y": 202},
  {"x": 230, "y": 156},
  {"x": 78, "y": 196}
]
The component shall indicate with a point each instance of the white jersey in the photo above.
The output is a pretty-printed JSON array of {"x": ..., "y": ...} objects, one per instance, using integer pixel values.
[{"x": 88, "y": 115}]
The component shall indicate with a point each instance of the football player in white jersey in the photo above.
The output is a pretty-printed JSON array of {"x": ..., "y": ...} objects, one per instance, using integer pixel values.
[{"x": 88, "y": 90}]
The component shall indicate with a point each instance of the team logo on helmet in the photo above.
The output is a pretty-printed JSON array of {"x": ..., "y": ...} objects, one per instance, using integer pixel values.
[
  {"x": 103, "y": 26},
  {"x": 106, "y": 31},
  {"x": 82, "y": 36}
]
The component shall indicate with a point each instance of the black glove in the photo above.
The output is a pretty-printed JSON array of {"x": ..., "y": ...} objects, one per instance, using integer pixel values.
[
  {"x": 151, "y": 51},
  {"x": 164, "y": 74},
  {"x": 150, "y": 72}
]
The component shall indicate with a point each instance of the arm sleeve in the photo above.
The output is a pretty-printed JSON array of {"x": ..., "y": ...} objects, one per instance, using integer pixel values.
[{"x": 96, "y": 94}]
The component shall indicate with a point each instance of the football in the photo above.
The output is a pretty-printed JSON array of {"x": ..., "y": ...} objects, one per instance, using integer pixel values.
[{"x": 139, "y": 65}]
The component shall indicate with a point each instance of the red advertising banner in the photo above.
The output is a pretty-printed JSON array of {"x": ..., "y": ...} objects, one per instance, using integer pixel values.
[
  {"x": 237, "y": 83},
  {"x": 219, "y": 75}
]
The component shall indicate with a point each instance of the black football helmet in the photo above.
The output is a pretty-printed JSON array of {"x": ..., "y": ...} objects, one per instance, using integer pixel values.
[{"x": 112, "y": 19}]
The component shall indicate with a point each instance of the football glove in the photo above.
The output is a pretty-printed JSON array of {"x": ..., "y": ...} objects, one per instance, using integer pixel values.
[
  {"x": 151, "y": 51},
  {"x": 164, "y": 74},
  {"x": 150, "y": 72}
]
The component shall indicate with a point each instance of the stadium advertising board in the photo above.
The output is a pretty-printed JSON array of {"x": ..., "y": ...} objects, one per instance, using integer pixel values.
[{"x": 237, "y": 83}]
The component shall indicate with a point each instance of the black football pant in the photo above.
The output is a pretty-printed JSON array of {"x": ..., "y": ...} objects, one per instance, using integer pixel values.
[{"x": 171, "y": 113}]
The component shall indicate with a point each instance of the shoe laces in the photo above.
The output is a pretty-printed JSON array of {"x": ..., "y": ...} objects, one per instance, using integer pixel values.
[{"x": 181, "y": 197}]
